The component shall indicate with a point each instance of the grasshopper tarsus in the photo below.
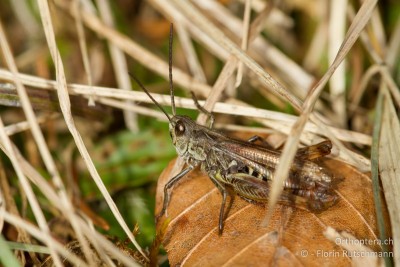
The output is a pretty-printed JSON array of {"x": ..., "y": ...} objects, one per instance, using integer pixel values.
[
  {"x": 220, "y": 230},
  {"x": 158, "y": 217}
]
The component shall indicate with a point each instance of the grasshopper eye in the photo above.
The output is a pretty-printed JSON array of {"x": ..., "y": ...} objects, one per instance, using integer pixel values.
[{"x": 179, "y": 128}]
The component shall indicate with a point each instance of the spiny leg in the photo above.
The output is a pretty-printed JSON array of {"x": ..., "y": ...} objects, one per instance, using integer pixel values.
[{"x": 167, "y": 194}]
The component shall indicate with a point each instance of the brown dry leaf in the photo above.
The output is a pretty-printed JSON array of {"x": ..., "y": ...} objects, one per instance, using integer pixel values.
[{"x": 293, "y": 237}]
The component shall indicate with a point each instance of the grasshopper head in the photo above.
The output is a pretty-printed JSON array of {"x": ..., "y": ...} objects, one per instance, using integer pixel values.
[{"x": 180, "y": 129}]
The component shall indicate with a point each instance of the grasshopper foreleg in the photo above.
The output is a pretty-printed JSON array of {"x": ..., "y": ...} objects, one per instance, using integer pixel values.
[{"x": 167, "y": 194}]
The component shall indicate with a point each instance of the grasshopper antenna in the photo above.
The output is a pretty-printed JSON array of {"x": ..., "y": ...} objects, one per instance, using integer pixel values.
[
  {"x": 171, "y": 84},
  {"x": 202, "y": 109},
  {"x": 147, "y": 92}
]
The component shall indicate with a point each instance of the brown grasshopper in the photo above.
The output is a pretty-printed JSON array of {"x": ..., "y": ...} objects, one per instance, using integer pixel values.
[{"x": 243, "y": 166}]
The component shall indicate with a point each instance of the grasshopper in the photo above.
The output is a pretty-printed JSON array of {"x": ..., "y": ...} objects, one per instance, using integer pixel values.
[{"x": 243, "y": 166}]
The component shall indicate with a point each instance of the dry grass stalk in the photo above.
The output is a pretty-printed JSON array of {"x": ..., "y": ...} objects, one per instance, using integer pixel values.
[
  {"x": 190, "y": 53},
  {"x": 232, "y": 107},
  {"x": 119, "y": 65},
  {"x": 389, "y": 165},
  {"x": 40, "y": 141},
  {"x": 337, "y": 82},
  {"x": 66, "y": 110},
  {"x": 49, "y": 192},
  {"x": 291, "y": 144},
  {"x": 245, "y": 39},
  {"x": 83, "y": 46}
]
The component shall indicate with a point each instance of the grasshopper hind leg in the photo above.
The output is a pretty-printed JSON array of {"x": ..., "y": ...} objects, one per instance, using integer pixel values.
[{"x": 253, "y": 190}]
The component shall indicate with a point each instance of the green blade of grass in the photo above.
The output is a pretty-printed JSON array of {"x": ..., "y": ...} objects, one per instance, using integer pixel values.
[
  {"x": 375, "y": 176},
  {"x": 6, "y": 256}
]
